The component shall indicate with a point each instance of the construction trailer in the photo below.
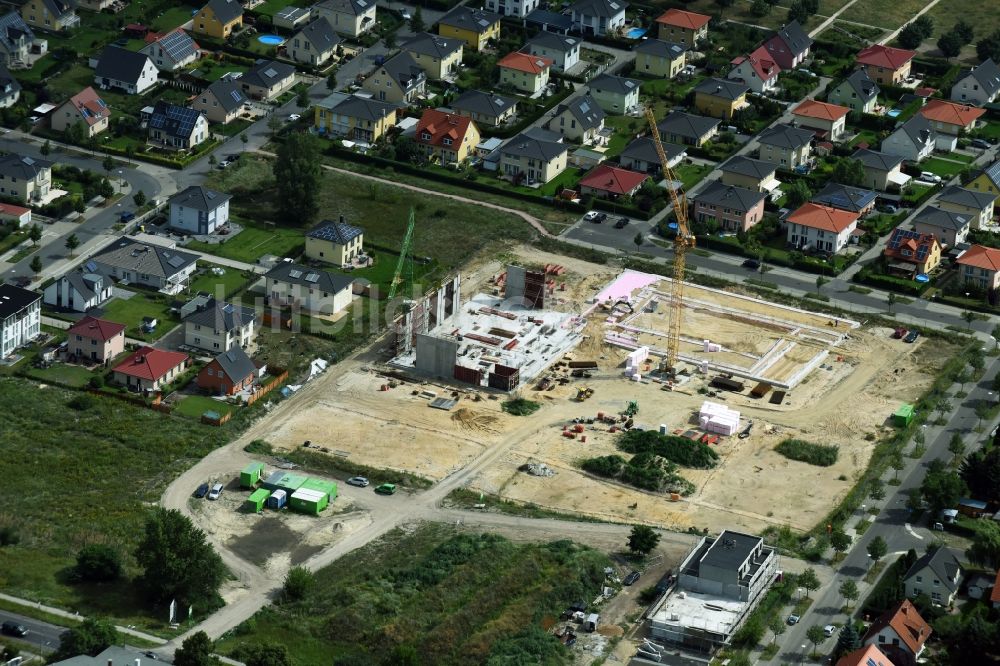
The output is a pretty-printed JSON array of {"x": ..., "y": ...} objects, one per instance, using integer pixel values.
[
  {"x": 251, "y": 475},
  {"x": 321, "y": 485},
  {"x": 903, "y": 416},
  {"x": 286, "y": 481},
  {"x": 277, "y": 500},
  {"x": 257, "y": 499},
  {"x": 305, "y": 500}
]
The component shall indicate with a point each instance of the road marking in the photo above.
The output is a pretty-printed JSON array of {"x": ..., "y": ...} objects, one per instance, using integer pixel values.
[{"x": 909, "y": 529}]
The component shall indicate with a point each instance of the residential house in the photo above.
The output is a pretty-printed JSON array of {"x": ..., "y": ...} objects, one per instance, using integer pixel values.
[
  {"x": 987, "y": 180},
  {"x": 86, "y": 109},
  {"x": 857, "y": 92},
  {"x": 314, "y": 44},
  {"x": 950, "y": 227},
  {"x": 979, "y": 85},
  {"x": 267, "y": 79},
  {"x": 53, "y": 15},
  {"x": 440, "y": 57},
  {"x": 911, "y": 253},
  {"x": 818, "y": 228},
  {"x": 17, "y": 216},
  {"x": 309, "y": 289},
  {"x": 977, "y": 205},
  {"x": 99, "y": 5},
  {"x": 937, "y": 574},
  {"x": 292, "y": 18},
  {"x": 485, "y": 108},
  {"x": 351, "y": 18},
  {"x": 598, "y": 17},
  {"x": 335, "y": 242},
  {"x": 788, "y": 147},
  {"x": 155, "y": 266},
  {"x": 216, "y": 326},
  {"x": 615, "y": 94},
  {"x": 95, "y": 339},
  {"x": 198, "y": 210},
  {"x": 757, "y": 175},
  {"x": 885, "y": 64},
  {"x": 218, "y": 19},
  {"x": 610, "y": 182},
  {"x": 16, "y": 40},
  {"x": 228, "y": 373},
  {"x": 446, "y": 137},
  {"x": 845, "y": 197},
  {"x": 20, "y": 317},
  {"x": 829, "y": 120},
  {"x": 177, "y": 127},
  {"x": 641, "y": 155},
  {"x": 222, "y": 102},
  {"x": 516, "y": 8},
  {"x": 355, "y": 118},
  {"x": 720, "y": 98},
  {"x": 24, "y": 178},
  {"x": 869, "y": 655},
  {"x": 10, "y": 89},
  {"x": 171, "y": 51},
  {"x": 734, "y": 208},
  {"x": 80, "y": 289},
  {"x": 542, "y": 19},
  {"x": 789, "y": 46},
  {"x": 757, "y": 70},
  {"x": 687, "y": 129},
  {"x": 130, "y": 71},
  {"x": 149, "y": 369},
  {"x": 899, "y": 631},
  {"x": 476, "y": 27},
  {"x": 399, "y": 80},
  {"x": 580, "y": 119},
  {"x": 562, "y": 50},
  {"x": 881, "y": 169},
  {"x": 534, "y": 159},
  {"x": 655, "y": 57},
  {"x": 950, "y": 120},
  {"x": 914, "y": 140},
  {"x": 687, "y": 28},
  {"x": 525, "y": 72}
]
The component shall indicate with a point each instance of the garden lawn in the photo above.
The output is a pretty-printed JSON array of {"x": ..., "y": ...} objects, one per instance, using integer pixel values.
[
  {"x": 69, "y": 375},
  {"x": 383, "y": 270},
  {"x": 193, "y": 406},
  {"x": 130, "y": 312},
  {"x": 942, "y": 167},
  {"x": 991, "y": 131},
  {"x": 254, "y": 242},
  {"x": 984, "y": 16},
  {"x": 230, "y": 281},
  {"x": 173, "y": 17},
  {"x": 868, "y": 136},
  {"x": 691, "y": 174}
]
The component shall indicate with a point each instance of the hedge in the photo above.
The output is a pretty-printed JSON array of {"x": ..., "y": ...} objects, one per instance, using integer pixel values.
[
  {"x": 891, "y": 282},
  {"x": 806, "y": 264},
  {"x": 822, "y": 455}
]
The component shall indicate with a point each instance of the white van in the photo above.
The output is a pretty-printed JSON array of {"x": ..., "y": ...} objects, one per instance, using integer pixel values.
[{"x": 214, "y": 493}]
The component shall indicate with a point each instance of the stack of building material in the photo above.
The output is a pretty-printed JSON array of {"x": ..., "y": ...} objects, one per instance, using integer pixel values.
[
  {"x": 633, "y": 361},
  {"x": 717, "y": 418},
  {"x": 710, "y": 346}
]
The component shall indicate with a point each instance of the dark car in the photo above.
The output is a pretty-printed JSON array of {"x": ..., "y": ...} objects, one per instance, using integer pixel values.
[
  {"x": 752, "y": 264},
  {"x": 980, "y": 143},
  {"x": 14, "y": 629},
  {"x": 202, "y": 491},
  {"x": 125, "y": 216},
  {"x": 912, "y": 336},
  {"x": 631, "y": 578},
  {"x": 621, "y": 223}
]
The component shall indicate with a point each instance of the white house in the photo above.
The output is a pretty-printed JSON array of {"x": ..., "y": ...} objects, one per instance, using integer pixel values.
[
  {"x": 598, "y": 17},
  {"x": 820, "y": 228},
  {"x": 199, "y": 210},
  {"x": 20, "y": 317},
  {"x": 979, "y": 85},
  {"x": 172, "y": 51},
  {"x": 309, "y": 289},
  {"x": 85, "y": 287},
  {"x": 758, "y": 70},
  {"x": 563, "y": 50},
  {"x": 914, "y": 140},
  {"x": 129, "y": 71},
  {"x": 217, "y": 326}
]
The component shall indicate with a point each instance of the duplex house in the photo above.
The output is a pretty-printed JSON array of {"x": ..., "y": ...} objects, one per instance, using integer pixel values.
[
  {"x": 720, "y": 98},
  {"x": 218, "y": 19},
  {"x": 687, "y": 129},
  {"x": 216, "y": 326},
  {"x": 351, "y": 18},
  {"x": 171, "y": 51},
  {"x": 641, "y": 156},
  {"x": 440, "y": 57},
  {"x": 950, "y": 120},
  {"x": 516, "y": 8},
  {"x": 228, "y": 373},
  {"x": 531, "y": 158},
  {"x": 562, "y": 50},
  {"x": 54, "y": 15},
  {"x": 129, "y": 71},
  {"x": 314, "y": 44},
  {"x": 845, "y": 197},
  {"x": 615, "y": 94},
  {"x": 335, "y": 242},
  {"x": 914, "y": 140},
  {"x": 400, "y": 80},
  {"x": 290, "y": 285},
  {"x": 881, "y": 169},
  {"x": 16, "y": 40},
  {"x": 222, "y": 102},
  {"x": 198, "y": 210},
  {"x": 598, "y": 17},
  {"x": 910, "y": 253},
  {"x": 176, "y": 127},
  {"x": 757, "y": 70},
  {"x": 757, "y": 175},
  {"x": 979, "y": 268},
  {"x": 20, "y": 318},
  {"x": 950, "y": 227},
  {"x": 857, "y": 92},
  {"x": 610, "y": 182},
  {"x": 445, "y": 137},
  {"x": 681, "y": 27},
  {"x": 789, "y": 46},
  {"x": 655, "y": 57},
  {"x": 267, "y": 79},
  {"x": 786, "y": 146},
  {"x": 977, "y": 205},
  {"x": 979, "y": 85},
  {"x": 579, "y": 119},
  {"x": 869, "y": 655},
  {"x": 829, "y": 120},
  {"x": 818, "y": 228},
  {"x": 10, "y": 89},
  {"x": 95, "y": 339},
  {"x": 734, "y": 208},
  {"x": 485, "y": 108},
  {"x": 899, "y": 631},
  {"x": 885, "y": 64},
  {"x": 356, "y": 118},
  {"x": 24, "y": 178},
  {"x": 155, "y": 266},
  {"x": 476, "y": 27},
  {"x": 149, "y": 369},
  {"x": 988, "y": 180},
  {"x": 525, "y": 72},
  {"x": 80, "y": 289},
  {"x": 86, "y": 109}
]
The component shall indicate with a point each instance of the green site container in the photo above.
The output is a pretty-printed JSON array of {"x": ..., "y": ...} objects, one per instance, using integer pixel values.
[
  {"x": 323, "y": 486},
  {"x": 284, "y": 481},
  {"x": 305, "y": 500},
  {"x": 903, "y": 415},
  {"x": 257, "y": 499},
  {"x": 251, "y": 475}
]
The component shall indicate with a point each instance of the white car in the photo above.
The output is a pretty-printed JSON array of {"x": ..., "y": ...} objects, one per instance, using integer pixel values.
[
  {"x": 293, "y": 117},
  {"x": 930, "y": 177},
  {"x": 358, "y": 481},
  {"x": 829, "y": 630},
  {"x": 214, "y": 493},
  {"x": 406, "y": 15}
]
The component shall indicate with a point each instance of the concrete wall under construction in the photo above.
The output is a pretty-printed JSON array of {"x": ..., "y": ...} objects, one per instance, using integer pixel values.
[
  {"x": 434, "y": 308},
  {"x": 436, "y": 356}
]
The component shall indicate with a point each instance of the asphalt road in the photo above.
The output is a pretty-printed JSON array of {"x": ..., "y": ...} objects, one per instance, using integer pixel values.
[{"x": 44, "y": 637}]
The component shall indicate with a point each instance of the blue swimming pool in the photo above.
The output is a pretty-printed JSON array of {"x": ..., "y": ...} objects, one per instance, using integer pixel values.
[
  {"x": 892, "y": 113},
  {"x": 272, "y": 40},
  {"x": 635, "y": 33}
]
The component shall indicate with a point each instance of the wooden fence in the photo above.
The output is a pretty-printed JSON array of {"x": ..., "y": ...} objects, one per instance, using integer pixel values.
[{"x": 278, "y": 380}]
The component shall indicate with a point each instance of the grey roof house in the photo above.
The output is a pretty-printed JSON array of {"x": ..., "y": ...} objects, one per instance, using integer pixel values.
[
  {"x": 80, "y": 289},
  {"x": 979, "y": 85},
  {"x": 172, "y": 51},
  {"x": 294, "y": 285},
  {"x": 154, "y": 266},
  {"x": 16, "y": 39},
  {"x": 400, "y": 80},
  {"x": 615, "y": 94},
  {"x": 950, "y": 227},
  {"x": 687, "y": 129},
  {"x": 579, "y": 119},
  {"x": 178, "y": 127},
  {"x": 937, "y": 574},
  {"x": 485, "y": 108},
  {"x": 747, "y": 172},
  {"x": 858, "y": 92},
  {"x": 267, "y": 79},
  {"x": 315, "y": 44},
  {"x": 215, "y": 325},
  {"x": 222, "y": 102},
  {"x": 881, "y": 169},
  {"x": 10, "y": 89},
  {"x": 129, "y": 71},
  {"x": 640, "y": 155},
  {"x": 563, "y": 50},
  {"x": 198, "y": 210},
  {"x": 914, "y": 140},
  {"x": 598, "y": 17}
]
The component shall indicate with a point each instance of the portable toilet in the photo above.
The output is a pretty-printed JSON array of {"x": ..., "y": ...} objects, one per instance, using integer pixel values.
[
  {"x": 329, "y": 488},
  {"x": 590, "y": 624},
  {"x": 251, "y": 475},
  {"x": 277, "y": 500},
  {"x": 902, "y": 416},
  {"x": 305, "y": 500},
  {"x": 257, "y": 499}
]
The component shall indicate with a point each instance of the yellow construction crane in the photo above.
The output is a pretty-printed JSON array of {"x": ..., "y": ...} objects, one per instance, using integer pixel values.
[{"x": 683, "y": 241}]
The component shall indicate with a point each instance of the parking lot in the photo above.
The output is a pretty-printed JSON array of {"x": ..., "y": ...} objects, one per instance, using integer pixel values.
[{"x": 609, "y": 232}]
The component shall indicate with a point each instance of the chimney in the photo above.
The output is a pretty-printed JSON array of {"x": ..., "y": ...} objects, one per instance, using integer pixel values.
[
  {"x": 111, "y": 662},
  {"x": 341, "y": 219}
]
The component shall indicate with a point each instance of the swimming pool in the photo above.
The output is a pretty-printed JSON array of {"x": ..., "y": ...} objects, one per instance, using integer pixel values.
[
  {"x": 272, "y": 40},
  {"x": 892, "y": 113},
  {"x": 635, "y": 33}
]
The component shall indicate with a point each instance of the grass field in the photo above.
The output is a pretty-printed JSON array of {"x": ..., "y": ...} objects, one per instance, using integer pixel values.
[
  {"x": 254, "y": 242},
  {"x": 883, "y": 13},
  {"x": 68, "y": 375},
  {"x": 230, "y": 281},
  {"x": 691, "y": 174},
  {"x": 130, "y": 312},
  {"x": 984, "y": 16},
  {"x": 944, "y": 168},
  {"x": 193, "y": 406}
]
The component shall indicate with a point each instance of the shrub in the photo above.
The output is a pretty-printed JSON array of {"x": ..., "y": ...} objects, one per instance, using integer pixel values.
[
  {"x": 98, "y": 563},
  {"x": 520, "y": 407},
  {"x": 259, "y": 446},
  {"x": 81, "y": 403},
  {"x": 676, "y": 449},
  {"x": 822, "y": 455}
]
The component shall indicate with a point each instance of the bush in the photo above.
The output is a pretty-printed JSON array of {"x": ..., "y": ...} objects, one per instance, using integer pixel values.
[
  {"x": 298, "y": 583},
  {"x": 98, "y": 563},
  {"x": 822, "y": 455},
  {"x": 9, "y": 536},
  {"x": 646, "y": 471},
  {"x": 96, "y": 382},
  {"x": 259, "y": 446},
  {"x": 676, "y": 449},
  {"x": 520, "y": 407},
  {"x": 81, "y": 403}
]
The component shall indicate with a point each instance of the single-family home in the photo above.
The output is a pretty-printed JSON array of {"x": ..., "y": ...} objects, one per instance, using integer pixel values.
[
  {"x": 977, "y": 205},
  {"x": 309, "y": 289},
  {"x": 85, "y": 108},
  {"x": 198, "y": 210},
  {"x": 734, "y": 208},
  {"x": 757, "y": 175},
  {"x": 720, "y": 98},
  {"x": 351, "y": 18},
  {"x": 687, "y": 129},
  {"x": 655, "y": 57},
  {"x": 10, "y": 89},
  {"x": 950, "y": 120},
  {"x": 885, "y": 64},
  {"x": 640, "y": 155},
  {"x": 228, "y": 373},
  {"x": 910, "y": 253},
  {"x": 516, "y": 8},
  {"x": 149, "y": 369},
  {"x": 16, "y": 40},
  {"x": 292, "y": 18},
  {"x": 858, "y": 92},
  {"x": 80, "y": 289},
  {"x": 598, "y": 17},
  {"x": 543, "y": 19},
  {"x": 446, "y": 137},
  {"x": 757, "y": 70},
  {"x": 536, "y": 160},
  {"x": 979, "y": 268},
  {"x": 17, "y": 216},
  {"x": 881, "y": 169},
  {"x": 487, "y": 109},
  {"x": 94, "y": 339},
  {"x": 356, "y": 118},
  {"x": 24, "y": 178},
  {"x": 818, "y": 228},
  {"x": 99, "y": 5},
  {"x": 440, "y": 57},
  {"x": 525, "y": 72},
  {"x": 868, "y": 655},
  {"x": 216, "y": 325},
  {"x": 845, "y": 197},
  {"x": 53, "y": 15},
  {"x": 176, "y": 127},
  {"x": 267, "y": 79},
  {"x": 400, "y": 80},
  {"x": 787, "y": 146},
  {"x": 789, "y": 46},
  {"x": 610, "y": 182},
  {"x": 829, "y": 120},
  {"x": 335, "y": 242},
  {"x": 171, "y": 51},
  {"x": 950, "y": 227},
  {"x": 687, "y": 28},
  {"x": 978, "y": 85},
  {"x": 615, "y": 94},
  {"x": 218, "y": 19},
  {"x": 988, "y": 180},
  {"x": 914, "y": 140},
  {"x": 899, "y": 631},
  {"x": 579, "y": 119},
  {"x": 129, "y": 71},
  {"x": 20, "y": 317},
  {"x": 222, "y": 102},
  {"x": 314, "y": 44},
  {"x": 155, "y": 266},
  {"x": 475, "y": 26},
  {"x": 562, "y": 50}
]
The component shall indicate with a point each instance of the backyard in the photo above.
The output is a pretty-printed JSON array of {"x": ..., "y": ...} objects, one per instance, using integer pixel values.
[
  {"x": 231, "y": 280},
  {"x": 943, "y": 167},
  {"x": 193, "y": 406},
  {"x": 256, "y": 240},
  {"x": 131, "y": 311},
  {"x": 74, "y": 376}
]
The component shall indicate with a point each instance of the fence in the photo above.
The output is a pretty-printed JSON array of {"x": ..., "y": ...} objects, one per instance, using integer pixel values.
[
  {"x": 208, "y": 420},
  {"x": 157, "y": 405},
  {"x": 278, "y": 380}
]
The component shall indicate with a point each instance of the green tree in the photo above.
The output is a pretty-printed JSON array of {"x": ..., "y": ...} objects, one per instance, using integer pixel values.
[
  {"x": 950, "y": 44},
  {"x": 244, "y": 138},
  {"x": 839, "y": 541},
  {"x": 891, "y": 298},
  {"x": 941, "y": 487},
  {"x": 212, "y": 160},
  {"x": 849, "y": 171},
  {"x": 964, "y": 32},
  {"x": 724, "y": 4},
  {"x": 876, "y": 490},
  {"x": 925, "y": 24},
  {"x": 910, "y": 37},
  {"x": 848, "y": 640},
  {"x": 176, "y": 561},
  {"x": 985, "y": 548},
  {"x": 106, "y": 189},
  {"x": 981, "y": 473},
  {"x": 108, "y": 164},
  {"x": 90, "y": 637},
  {"x": 798, "y": 193},
  {"x": 298, "y": 583},
  {"x": 849, "y": 590},
  {"x": 896, "y": 463},
  {"x": 809, "y": 581},
  {"x": 72, "y": 243},
  {"x": 815, "y": 635},
  {"x": 956, "y": 446},
  {"x": 273, "y": 124},
  {"x": 297, "y": 173},
  {"x": 46, "y": 148},
  {"x": 969, "y": 317},
  {"x": 760, "y": 8},
  {"x": 945, "y": 407},
  {"x": 417, "y": 21},
  {"x": 797, "y": 12},
  {"x": 777, "y": 627},
  {"x": 877, "y": 548},
  {"x": 36, "y": 265},
  {"x": 196, "y": 650},
  {"x": 139, "y": 198},
  {"x": 643, "y": 539},
  {"x": 98, "y": 563},
  {"x": 302, "y": 99},
  {"x": 811, "y": 6},
  {"x": 638, "y": 240},
  {"x": 331, "y": 81},
  {"x": 264, "y": 654},
  {"x": 820, "y": 281},
  {"x": 35, "y": 234}
]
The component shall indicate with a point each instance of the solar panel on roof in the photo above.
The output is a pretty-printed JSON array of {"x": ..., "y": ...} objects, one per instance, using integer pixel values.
[
  {"x": 90, "y": 266},
  {"x": 270, "y": 72},
  {"x": 312, "y": 277},
  {"x": 175, "y": 261},
  {"x": 295, "y": 274},
  {"x": 235, "y": 94}
]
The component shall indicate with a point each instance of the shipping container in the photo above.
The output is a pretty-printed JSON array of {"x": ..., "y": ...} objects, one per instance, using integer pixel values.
[
  {"x": 321, "y": 485},
  {"x": 308, "y": 501},
  {"x": 286, "y": 481},
  {"x": 903, "y": 415},
  {"x": 251, "y": 475},
  {"x": 277, "y": 500},
  {"x": 257, "y": 499}
]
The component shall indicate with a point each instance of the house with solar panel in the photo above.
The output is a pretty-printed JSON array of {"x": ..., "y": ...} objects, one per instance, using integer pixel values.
[
  {"x": 475, "y": 26},
  {"x": 579, "y": 119},
  {"x": 351, "y": 18},
  {"x": 218, "y": 19},
  {"x": 85, "y": 287},
  {"x": 217, "y": 326},
  {"x": 486, "y": 108},
  {"x": 563, "y": 50},
  {"x": 25, "y": 178},
  {"x": 171, "y": 51},
  {"x": 198, "y": 210},
  {"x": 910, "y": 253},
  {"x": 335, "y": 242},
  {"x": 86, "y": 108},
  {"x": 291, "y": 285},
  {"x": 129, "y": 71},
  {"x": 267, "y": 79},
  {"x": 16, "y": 40},
  {"x": 400, "y": 80},
  {"x": 222, "y": 102},
  {"x": 54, "y": 15},
  {"x": 314, "y": 44},
  {"x": 176, "y": 127},
  {"x": 156, "y": 266}
]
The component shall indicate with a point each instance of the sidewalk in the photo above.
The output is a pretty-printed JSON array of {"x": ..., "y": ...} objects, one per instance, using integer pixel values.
[{"x": 76, "y": 617}]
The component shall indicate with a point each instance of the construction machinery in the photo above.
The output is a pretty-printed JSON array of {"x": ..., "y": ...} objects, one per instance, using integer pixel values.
[
  {"x": 405, "y": 259},
  {"x": 583, "y": 393},
  {"x": 683, "y": 241}
]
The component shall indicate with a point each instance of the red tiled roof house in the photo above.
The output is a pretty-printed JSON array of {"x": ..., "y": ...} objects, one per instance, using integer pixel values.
[
  {"x": 900, "y": 631},
  {"x": 950, "y": 120},
  {"x": 446, "y": 137},
  {"x": 681, "y": 27},
  {"x": 821, "y": 228},
  {"x": 980, "y": 268},
  {"x": 525, "y": 72},
  {"x": 87, "y": 108},
  {"x": 829, "y": 120},
  {"x": 866, "y": 656},
  {"x": 95, "y": 339},
  {"x": 608, "y": 182},
  {"x": 885, "y": 64},
  {"x": 910, "y": 253},
  {"x": 758, "y": 70},
  {"x": 149, "y": 369}
]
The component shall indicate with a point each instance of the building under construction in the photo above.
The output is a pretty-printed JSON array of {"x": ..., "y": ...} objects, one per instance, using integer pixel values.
[{"x": 425, "y": 314}]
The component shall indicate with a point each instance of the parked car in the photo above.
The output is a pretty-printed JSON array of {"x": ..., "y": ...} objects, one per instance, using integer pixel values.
[
  {"x": 14, "y": 629},
  {"x": 829, "y": 630},
  {"x": 201, "y": 491},
  {"x": 359, "y": 481},
  {"x": 386, "y": 489},
  {"x": 930, "y": 177},
  {"x": 292, "y": 117},
  {"x": 125, "y": 216},
  {"x": 912, "y": 336},
  {"x": 621, "y": 223},
  {"x": 752, "y": 264},
  {"x": 793, "y": 619},
  {"x": 216, "y": 490},
  {"x": 980, "y": 143},
  {"x": 631, "y": 578},
  {"x": 889, "y": 209},
  {"x": 595, "y": 217}
]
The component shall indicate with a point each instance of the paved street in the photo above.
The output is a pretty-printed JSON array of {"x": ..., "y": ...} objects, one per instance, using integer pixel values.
[{"x": 42, "y": 636}]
